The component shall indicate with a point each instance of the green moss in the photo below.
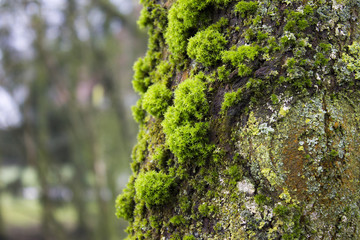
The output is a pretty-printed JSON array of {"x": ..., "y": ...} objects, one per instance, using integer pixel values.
[
  {"x": 189, "y": 141},
  {"x": 138, "y": 112},
  {"x": 177, "y": 220},
  {"x": 189, "y": 237},
  {"x": 298, "y": 21},
  {"x": 139, "y": 151},
  {"x": 175, "y": 236},
  {"x": 246, "y": 8},
  {"x": 152, "y": 15},
  {"x": 206, "y": 210},
  {"x": 273, "y": 45},
  {"x": 325, "y": 47},
  {"x": 274, "y": 99},
  {"x": 261, "y": 36},
  {"x": 320, "y": 59},
  {"x": 164, "y": 71},
  {"x": 230, "y": 99},
  {"x": 244, "y": 70},
  {"x": 240, "y": 56},
  {"x": 154, "y": 222},
  {"x": 353, "y": 59},
  {"x": 125, "y": 203},
  {"x": 160, "y": 156},
  {"x": 154, "y": 188},
  {"x": 334, "y": 153},
  {"x": 260, "y": 199},
  {"x": 223, "y": 73},
  {"x": 281, "y": 211},
  {"x": 186, "y": 134},
  {"x": 183, "y": 17},
  {"x": 235, "y": 172},
  {"x": 219, "y": 24},
  {"x": 249, "y": 35},
  {"x": 141, "y": 80},
  {"x": 205, "y": 46},
  {"x": 156, "y": 99},
  {"x": 290, "y": 216},
  {"x": 218, "y": 155},
  {"x": 185, "y": 204},
  {"x": 242, "y": 53},
  {"x": 254, "y": 84}
]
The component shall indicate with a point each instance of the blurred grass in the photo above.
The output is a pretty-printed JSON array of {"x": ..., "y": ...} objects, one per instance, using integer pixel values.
[{"x": 20, "y": 212}]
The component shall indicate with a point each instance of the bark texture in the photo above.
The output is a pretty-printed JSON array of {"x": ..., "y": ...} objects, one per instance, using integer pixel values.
[{"x": 249, "y": 121}]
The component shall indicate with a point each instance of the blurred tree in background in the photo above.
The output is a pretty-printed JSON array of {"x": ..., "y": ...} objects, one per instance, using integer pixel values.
[{"x": 65, "y": 127}]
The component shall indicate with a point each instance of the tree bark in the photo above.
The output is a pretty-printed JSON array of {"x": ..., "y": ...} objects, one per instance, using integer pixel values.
[{"x": 249, "y": 122}]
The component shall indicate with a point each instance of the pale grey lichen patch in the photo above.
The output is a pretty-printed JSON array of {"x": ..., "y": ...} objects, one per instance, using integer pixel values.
[{"x": 246, "y": 186}]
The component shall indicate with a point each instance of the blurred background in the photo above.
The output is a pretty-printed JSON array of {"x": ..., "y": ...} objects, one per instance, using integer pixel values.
[{"x": 66, "y": 130}]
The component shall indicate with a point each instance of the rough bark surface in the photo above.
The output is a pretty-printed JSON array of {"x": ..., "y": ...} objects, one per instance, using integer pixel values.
[{"x": 249, "y": 121}]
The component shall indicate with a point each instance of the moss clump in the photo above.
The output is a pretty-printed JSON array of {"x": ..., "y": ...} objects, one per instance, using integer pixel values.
[
  {"x": 223, "y": 73},
  {"x": 242, "y": 53},
  {"x": 164, "y": 71},
  {"x": 138, "y": 112},
  {"x": 177, "y": 220},
  {"x": 141, "y": 80},
  {"x": 246, "y": 8},
  {"x": 183, "y": 17},
  {"x": 206, "y": 45},
  {"x": 139, "y": 151},
  {"x": 298, "y": 21},
  {"x": 154, "y": 222},
  {"x": 154, "y": 188},
  {"x": 185, "y": 204},
  {"x": 186, "y": 134},
  {"x": 260, "y": 199},
  {"x": 281, "y": 211},
  {"x": 125, "y": 203},
  {"x": 151, "y": 16},
  {"x": 240, "y": 57},
  {"x": 188, "y": 141},
  {"x": 156, "y": 99},
  {"x": 230, "y": 99},
  {"x": 206, "y": 210},
  {"x": 353, "y": 59},
  {"x": 235, "y": 172},
  {"x": 189, "y": 237}
]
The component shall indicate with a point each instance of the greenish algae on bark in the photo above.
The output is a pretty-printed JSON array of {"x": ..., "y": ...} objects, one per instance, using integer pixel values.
[{"x": 249, "y": 121}]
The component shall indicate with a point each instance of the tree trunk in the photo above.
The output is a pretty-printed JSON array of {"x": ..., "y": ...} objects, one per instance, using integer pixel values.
[{"x": 249, "y": 122}]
